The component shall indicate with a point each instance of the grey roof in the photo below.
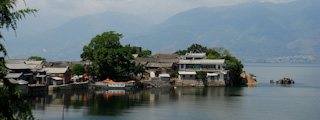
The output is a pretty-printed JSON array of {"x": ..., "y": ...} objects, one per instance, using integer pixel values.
[
  {"x": 13, "y": 75},
  {"x": 18, "y": 66},
  {"x": 164, "y": 53},
  {"x": 155, "y": 60},
  {"x": 20, "y": 82},
  {"x": 15, "y": 61},
  {"x": 195, "y": 55},
  {"x": 69, "y": 64},
  {"x": 203, "y": 61},
  {"x": 55, "y": 70},
  {"x": 31, "y": 62},
  {"x": 160, "y": 65}
]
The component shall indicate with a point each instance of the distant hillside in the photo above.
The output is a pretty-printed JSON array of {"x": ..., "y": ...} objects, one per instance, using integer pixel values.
[
  {"x": 66, "y": 42},
  {"x": 251, "y": 30}
]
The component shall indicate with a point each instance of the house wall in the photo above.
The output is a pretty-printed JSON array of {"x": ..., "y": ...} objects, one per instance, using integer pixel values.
[
  {"x": 165, "y": 78},
  {"x": 219, "y": 82},
  {"x": 187, "y": 77},
  {"x": 67, "y": 77},
  {"x": 195, "y": 67}
]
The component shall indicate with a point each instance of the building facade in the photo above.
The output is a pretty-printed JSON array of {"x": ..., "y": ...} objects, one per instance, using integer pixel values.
[{"x": 216, "y": 75}]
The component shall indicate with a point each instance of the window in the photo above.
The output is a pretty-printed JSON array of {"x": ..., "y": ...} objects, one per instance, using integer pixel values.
[
  {"x": 212, "y": 66},
  {"x": 182, "y": 66},
  {"x": 189, "y": 66},
  {"x": 203, "y": 66},
  {"x": 197, "y": 66}
]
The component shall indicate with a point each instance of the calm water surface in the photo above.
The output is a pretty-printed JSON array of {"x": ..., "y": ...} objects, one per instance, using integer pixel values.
[{"x": 300, "y": 101}]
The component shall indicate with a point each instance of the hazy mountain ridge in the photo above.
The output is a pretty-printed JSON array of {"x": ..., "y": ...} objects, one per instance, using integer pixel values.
[
  {"x": 66, "y": 42},
  {"x": 253, "y": 30},
  {"x": 249, "y": 30}
]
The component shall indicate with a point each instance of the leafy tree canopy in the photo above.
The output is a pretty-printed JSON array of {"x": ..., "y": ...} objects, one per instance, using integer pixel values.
[
  {"x": 108, "y": 55},
  {"x": 201, "y": 75},
  {"x": 37, "y": 58},
  {"x": 196, "y": 48},
  {"x": 11, "y": 103},
  {"x": 78, "y": 69},
  {"x": 144, "y": 53},
  {"x": 181, "y": 52}
]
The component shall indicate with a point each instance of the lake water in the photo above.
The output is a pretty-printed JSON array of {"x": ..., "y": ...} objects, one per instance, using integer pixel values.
[{"x": 300, "y": 101}]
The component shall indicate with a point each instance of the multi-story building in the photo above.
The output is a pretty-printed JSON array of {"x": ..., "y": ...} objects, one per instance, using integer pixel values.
[{"x": 214, "y": 68}]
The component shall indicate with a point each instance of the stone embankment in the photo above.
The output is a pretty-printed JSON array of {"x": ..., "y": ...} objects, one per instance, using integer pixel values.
[{"x": 171, "y": 83}]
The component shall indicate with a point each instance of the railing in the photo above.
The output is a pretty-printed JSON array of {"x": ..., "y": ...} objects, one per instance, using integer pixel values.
[{"x": 35, "y": 85}]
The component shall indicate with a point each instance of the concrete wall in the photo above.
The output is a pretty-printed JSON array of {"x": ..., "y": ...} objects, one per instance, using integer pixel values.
[{"x": 219, "y": 82}]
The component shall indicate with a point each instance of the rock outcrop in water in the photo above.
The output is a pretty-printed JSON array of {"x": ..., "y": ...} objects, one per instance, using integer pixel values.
[
  {"x": 249, "y": 80},
  {"x": 285, "y": 81}
]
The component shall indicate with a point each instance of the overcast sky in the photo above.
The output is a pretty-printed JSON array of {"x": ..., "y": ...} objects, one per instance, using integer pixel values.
[
  {"x": 54, "y": 13},
  {"x": 161, "y": 9}
]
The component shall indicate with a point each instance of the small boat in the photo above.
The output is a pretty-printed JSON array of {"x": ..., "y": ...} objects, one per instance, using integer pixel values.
[{"x": 110, "y": 84}]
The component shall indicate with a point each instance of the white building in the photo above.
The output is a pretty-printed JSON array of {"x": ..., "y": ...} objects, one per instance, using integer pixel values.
[{"x": 216, "y": 74}]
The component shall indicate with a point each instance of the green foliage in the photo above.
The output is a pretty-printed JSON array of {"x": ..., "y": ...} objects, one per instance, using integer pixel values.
[
  {"x": 78, "y": 69},
  {"x": 11, "y": 103},
  {"x": 181, "y": 52},
  {"x": 201, "y": 75},
  {"x": 196, "y": 48},
  {"x": 144, "y": 53},
  {"x": 136, "y": 68},
  {"x": 223, "y": 52},
  {"x": 235, "y": 66},
  {"x": 91, "y": 70},
  {"x": 132, "y": 50},
  {"x": 108, "y": 55},
  {"x": 37, "y": 58}
]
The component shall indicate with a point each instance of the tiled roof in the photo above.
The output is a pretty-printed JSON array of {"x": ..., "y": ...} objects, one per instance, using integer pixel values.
[
  {"x": 13, "y": 75},
  {"x": 203, "y": 61},
  {"x": 195, "y": 55},
  {"x": 186, "y": 73},
  {"x": 160, "y": 65},
  {"x": 33, "y": 62},
  {"x": 55, "y": 70},
  {"x": 18, "y": 66},
  {"x": 20, "y": 82}
]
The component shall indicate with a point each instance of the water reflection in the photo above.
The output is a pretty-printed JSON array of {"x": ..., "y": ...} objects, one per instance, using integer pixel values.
[{"x": 119, "y": 102}]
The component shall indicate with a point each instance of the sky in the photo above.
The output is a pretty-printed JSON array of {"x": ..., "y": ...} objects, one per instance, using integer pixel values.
[{"x": 156, "y": 10}]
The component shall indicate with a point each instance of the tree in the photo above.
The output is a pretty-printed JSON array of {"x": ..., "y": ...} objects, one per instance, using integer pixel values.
[
  {"x": 108, "y": 55},
  {"x": 12, "y": 105},
  {"x": 78, "y": 69},
  {"x": 36, "y": 58},
  {"x": 144, "y": 53},
  {"x": 181, "y": 52},
  {"x": 223, "y": 52},
  {"x": 235, "y": 66},
  {"x": 201, "y": 75},
  {"x": 196, "y": 48},
  {"x": 136, "y": 69}
]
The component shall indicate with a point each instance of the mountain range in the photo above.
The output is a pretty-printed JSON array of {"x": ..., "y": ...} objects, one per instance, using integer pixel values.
[{"x": 250, "y": 30}]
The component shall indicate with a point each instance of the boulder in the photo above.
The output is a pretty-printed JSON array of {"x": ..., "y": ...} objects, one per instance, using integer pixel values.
[
  {"x": 271, "y": 81},
  {"x": 284, "y": 81}
]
